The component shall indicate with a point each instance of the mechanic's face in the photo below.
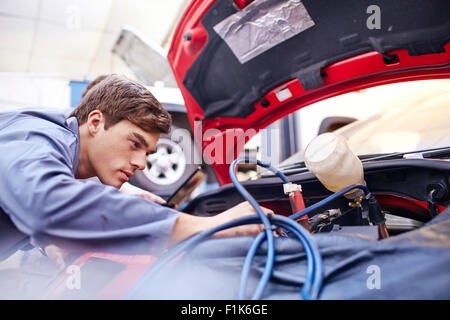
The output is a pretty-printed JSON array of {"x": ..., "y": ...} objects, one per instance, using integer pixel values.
[{"x": 116, "y": 153}]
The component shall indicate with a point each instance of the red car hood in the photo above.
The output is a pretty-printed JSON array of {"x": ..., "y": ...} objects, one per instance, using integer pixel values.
[{"x": 245, "y": 64}]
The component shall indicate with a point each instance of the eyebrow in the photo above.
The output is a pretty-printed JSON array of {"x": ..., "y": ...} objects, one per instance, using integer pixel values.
[{"x": 140, "y": 138}]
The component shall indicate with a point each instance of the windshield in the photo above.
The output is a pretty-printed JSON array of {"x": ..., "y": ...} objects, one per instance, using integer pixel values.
[
  {"x": 418, "y": 120},
  {"x": 406, "y": 128}
]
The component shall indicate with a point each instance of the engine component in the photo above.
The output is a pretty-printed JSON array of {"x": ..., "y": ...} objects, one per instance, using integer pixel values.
[
  {"x": 323, "y": 218},
  {"x": 297, "y": 203},
  {"x": 376, "y": 216}
]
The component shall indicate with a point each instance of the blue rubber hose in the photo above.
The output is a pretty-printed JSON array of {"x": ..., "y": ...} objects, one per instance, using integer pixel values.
[
  {"x": 193, "y": 241},
  {"x": 313, "y": 282},
  {"x": 185, "y": 245},
  {"x": 268, "y": 229},
  {"x": 259, "y": 240},
  {"x": 312, "y": 261}
]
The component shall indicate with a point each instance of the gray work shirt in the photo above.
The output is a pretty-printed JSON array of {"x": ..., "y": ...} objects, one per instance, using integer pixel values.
[{"x": 42, "y": 198}]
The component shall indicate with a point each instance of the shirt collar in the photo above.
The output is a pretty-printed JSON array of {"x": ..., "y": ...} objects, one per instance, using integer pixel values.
[{"x": 72, "y": 125}]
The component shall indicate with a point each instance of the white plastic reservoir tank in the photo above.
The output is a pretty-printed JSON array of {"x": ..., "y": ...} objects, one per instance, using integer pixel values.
[{"x": 334, "y": 164}]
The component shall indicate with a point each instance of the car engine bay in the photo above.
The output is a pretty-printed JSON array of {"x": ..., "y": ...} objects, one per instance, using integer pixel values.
[{"x": 410, "y": 192}]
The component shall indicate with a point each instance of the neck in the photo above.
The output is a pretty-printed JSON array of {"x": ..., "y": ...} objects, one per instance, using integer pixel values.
[{"x": 85, "y": 169}]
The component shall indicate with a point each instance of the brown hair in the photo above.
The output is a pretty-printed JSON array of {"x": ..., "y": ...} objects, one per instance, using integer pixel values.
[
  {"x": 93, "y": 83},
  {"x": 119, "y": 98}
]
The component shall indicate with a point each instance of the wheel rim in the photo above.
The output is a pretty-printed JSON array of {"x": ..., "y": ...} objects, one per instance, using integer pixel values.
[{"x": 167, "y": 164}]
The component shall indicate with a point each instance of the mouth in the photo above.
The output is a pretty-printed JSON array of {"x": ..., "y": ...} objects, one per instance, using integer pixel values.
[{"x": 125, "y": 175}]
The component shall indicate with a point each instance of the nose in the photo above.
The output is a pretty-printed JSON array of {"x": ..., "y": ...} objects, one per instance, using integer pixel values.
[{"x": 139, "y": 161}]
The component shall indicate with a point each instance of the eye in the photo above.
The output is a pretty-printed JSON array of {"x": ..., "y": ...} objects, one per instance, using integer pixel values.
[{"x": 135, "y": 144}]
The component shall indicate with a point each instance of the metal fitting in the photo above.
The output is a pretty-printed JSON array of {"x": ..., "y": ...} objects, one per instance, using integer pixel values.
[{"x": 356, "y": 202}]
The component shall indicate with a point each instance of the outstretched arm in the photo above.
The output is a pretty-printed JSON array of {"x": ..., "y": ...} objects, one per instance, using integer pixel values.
[{"x": 188, "y": 225}]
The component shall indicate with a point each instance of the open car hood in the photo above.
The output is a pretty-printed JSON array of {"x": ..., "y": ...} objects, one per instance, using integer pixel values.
[{"x": 245, "y": 64}]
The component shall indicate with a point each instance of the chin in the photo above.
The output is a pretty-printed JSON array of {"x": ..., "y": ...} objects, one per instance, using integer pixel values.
[{"x": 116, "y": 184}]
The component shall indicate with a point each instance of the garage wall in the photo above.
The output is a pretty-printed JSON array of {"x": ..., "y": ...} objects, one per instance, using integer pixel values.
[{"x": 33, "y": 91}]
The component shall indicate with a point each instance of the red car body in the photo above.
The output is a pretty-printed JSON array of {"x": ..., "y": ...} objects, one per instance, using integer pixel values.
[{"x": 364, "y": 70}]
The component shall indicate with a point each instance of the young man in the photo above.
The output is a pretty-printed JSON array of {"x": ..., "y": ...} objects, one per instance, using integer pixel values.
[
  {"x": 126, "y": 187},
  {"x": 46, "y": 161}
]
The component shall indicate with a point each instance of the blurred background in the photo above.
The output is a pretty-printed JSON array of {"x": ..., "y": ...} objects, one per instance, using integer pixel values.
[{"x": 47, "y": 46}]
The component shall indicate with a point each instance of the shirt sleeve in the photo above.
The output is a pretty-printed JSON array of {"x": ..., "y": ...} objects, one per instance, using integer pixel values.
[{"x": 45, "y": 201}]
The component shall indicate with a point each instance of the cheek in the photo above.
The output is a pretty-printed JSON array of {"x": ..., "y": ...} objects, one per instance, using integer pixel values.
[{"x": 111, "y": 156}]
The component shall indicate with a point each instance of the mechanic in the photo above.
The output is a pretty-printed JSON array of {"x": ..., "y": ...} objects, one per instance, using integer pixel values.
[
  {"x": 47, "y": 161},
  {"x": 126, "y": 187}
]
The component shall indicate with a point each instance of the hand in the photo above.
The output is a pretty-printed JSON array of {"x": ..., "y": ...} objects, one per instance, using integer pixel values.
[
  {"x": 133, "y": 190},
  {"x": 57, "y": 255},
  {"x": 187, "y": 225},
  {"x": 240, "y": 210}
]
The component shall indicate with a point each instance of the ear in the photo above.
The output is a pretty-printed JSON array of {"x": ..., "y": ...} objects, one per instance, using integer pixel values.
[{"x": 95, "y": 122}]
